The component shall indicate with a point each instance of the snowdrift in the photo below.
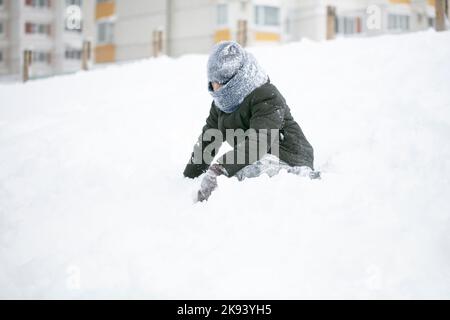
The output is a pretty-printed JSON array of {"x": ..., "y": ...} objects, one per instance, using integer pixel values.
[{"x": 93, "y": 203}]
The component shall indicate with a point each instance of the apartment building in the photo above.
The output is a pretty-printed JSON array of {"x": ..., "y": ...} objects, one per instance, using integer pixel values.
[
  {"x": 51, "y": 29},
  {"x": 310, "y": 19},
  {"x": 124, "y": 30}
]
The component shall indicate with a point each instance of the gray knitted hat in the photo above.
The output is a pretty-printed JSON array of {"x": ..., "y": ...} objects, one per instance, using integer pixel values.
[{"x": 238, "y": 72}]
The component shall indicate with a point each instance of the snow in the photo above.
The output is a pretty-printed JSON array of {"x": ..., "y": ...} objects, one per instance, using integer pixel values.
[{"x": 93, "y": 203}]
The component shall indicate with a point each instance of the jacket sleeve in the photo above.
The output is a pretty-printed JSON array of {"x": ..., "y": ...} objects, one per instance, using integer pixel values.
[
  {"x": 192, "y": 169},
  {"x": 265, "y": 117}
]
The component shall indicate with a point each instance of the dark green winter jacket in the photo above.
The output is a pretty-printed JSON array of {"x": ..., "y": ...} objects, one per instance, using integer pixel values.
[{"x": 264, "y": 108}]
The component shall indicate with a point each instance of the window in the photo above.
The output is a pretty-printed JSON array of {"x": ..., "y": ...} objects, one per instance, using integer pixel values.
[
  {"x": 42, "y": 28},
  {"x": 222, "y": 14},
  {"x": 41, "y": 57},
  {"x": 38, "y": 3},
  {"x": 1, "y": 55},
  {"x": 74, "y": 3},
  {"x": 72, "y": 54},
  {"x": 105, "y": 32},
  {"x": 267, "y": 16},
  {"x": 35, "y": 28},
  {"x": 2, "y": 29},
  {"x": 398, "y": 22},
  {"x": 348, "y": 25},
  {"x": 1, "y": 3},
  {"x": 100, "y": 1}
]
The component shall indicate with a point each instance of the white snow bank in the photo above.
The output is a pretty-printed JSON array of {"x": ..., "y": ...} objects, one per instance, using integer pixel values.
[{"x": 93, "y": 203}]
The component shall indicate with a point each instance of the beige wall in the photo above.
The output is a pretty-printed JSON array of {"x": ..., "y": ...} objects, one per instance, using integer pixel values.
[
  {"x": 134, "y": 27},
  {"x": 192, "y": 26}
]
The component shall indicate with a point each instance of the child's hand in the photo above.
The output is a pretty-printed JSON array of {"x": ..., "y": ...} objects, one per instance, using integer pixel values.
[{"x": 209, "y": 182}]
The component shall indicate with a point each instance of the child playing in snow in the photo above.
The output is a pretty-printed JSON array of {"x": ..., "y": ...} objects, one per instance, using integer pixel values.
[{"x": 244, "y": 98}]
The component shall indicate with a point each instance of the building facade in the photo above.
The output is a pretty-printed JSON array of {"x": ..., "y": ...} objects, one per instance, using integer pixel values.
[
  {"x": 122, "y": 30},
  {"x": 51, "y": 29},
  {"x": 125, "y": 30}
]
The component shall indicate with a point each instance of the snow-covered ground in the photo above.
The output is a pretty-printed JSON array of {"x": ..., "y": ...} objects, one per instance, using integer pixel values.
[{"x": 93, "y": 203}]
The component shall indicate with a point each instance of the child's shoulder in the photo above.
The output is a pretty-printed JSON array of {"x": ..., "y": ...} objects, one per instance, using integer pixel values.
[{"x": 267, "y": 93}]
